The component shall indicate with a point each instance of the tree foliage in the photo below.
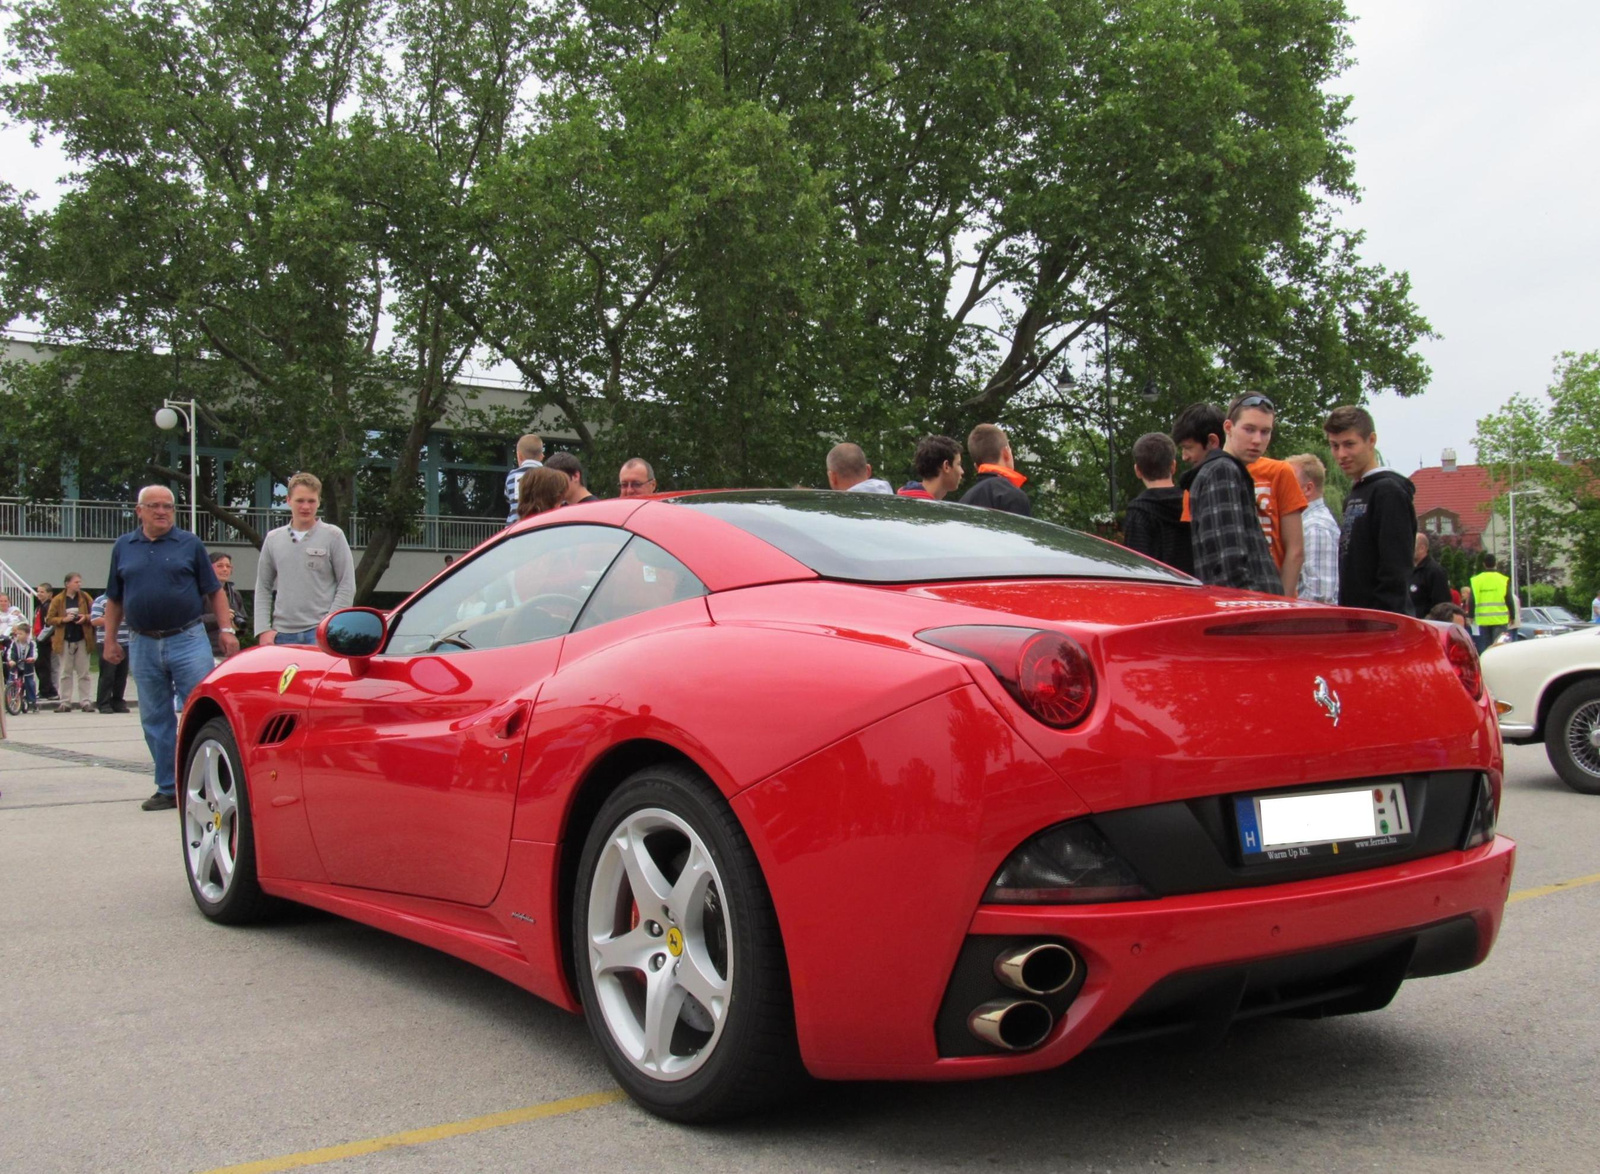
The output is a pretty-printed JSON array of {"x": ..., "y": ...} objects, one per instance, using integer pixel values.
[
  {"x": 722, "y": 234},
  {"x": 1552, "y": 445}
]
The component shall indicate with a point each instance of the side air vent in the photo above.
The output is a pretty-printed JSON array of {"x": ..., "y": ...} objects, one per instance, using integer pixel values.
[{"x": 277, "y": 729}]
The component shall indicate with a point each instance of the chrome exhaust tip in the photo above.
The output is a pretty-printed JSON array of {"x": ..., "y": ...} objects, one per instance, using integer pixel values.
[
  {"x": 1013, "y": 1024},
  {"x": 1043, "y": 969}
]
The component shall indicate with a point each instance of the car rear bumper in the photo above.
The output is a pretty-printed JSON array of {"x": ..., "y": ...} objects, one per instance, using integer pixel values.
[{"x": 1427, "y": 916}]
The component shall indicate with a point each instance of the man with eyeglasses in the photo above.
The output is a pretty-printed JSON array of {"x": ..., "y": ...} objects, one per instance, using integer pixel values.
[
  {"x": 1280, "y": 503},
  {"x": 636, "y": 478},
  {"x": 160, "y": 579}
]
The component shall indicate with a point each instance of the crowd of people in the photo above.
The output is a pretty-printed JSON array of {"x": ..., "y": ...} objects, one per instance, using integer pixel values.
[
  {"x": 1235, "y": 518},
  {"x": 1239, "y": 518}
]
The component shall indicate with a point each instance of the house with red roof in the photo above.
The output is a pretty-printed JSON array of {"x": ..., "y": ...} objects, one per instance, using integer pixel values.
[{"x": 1455, "y": 502}]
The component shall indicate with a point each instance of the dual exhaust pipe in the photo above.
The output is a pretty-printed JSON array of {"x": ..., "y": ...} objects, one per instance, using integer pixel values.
[{"x": 1017, "y": 1025}]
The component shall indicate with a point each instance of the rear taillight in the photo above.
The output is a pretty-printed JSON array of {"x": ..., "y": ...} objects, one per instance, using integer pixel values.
[
  {"x": 1049, "y": 674},
  {"x": 1463, "y": 657}
]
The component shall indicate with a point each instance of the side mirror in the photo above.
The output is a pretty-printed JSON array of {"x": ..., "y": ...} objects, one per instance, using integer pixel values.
[{"x": 355, "y": 632}]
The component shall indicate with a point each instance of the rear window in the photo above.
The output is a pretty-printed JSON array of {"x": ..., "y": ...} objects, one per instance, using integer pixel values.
[{"x": 875, "y": 538}]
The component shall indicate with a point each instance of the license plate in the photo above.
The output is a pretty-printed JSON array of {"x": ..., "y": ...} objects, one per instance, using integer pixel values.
[{"x": 1322, "y": 823}]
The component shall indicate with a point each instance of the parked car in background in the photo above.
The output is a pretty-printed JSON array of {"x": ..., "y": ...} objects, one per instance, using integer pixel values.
[
  {"x": 1536, "y": 622},
  {"x": 1549, "y": 690}
]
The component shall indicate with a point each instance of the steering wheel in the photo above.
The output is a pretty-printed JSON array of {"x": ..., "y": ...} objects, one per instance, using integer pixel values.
[
  {"x": 554, "y": 603},
  {"x": 455, "y": 638}
]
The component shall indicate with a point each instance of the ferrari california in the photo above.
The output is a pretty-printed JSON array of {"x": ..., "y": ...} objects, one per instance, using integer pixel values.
[{"x": 769, "y": 784}]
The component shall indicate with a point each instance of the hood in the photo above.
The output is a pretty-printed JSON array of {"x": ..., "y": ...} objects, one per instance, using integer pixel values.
[
  {"x": 1165, "y": 504},
  {"x": 1374, "y": 476}
]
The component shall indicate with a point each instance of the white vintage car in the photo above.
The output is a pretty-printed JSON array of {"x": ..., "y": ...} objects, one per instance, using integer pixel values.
[{"x": 1549, "y": 690}]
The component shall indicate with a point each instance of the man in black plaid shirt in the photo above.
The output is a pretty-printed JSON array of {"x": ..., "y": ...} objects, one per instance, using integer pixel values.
[{"x": 1229, "y": 548}]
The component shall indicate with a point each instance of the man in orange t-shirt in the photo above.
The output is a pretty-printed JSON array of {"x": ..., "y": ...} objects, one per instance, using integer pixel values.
[{"x": 1279, "y": 500}]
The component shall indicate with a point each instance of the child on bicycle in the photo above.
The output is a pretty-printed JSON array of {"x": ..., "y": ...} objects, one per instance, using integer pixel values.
[{"x": 21, "y": 654}]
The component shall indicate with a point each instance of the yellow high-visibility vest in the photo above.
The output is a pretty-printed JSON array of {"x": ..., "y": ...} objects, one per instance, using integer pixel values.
[{"x": 1489, "y": 599}]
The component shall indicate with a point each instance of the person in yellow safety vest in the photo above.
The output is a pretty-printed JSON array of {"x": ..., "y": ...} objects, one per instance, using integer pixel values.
[{"x": 1493, "y": 606}]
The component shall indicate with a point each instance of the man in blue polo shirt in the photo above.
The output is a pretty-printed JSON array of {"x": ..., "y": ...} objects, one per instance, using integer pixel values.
[{"x": 161, "y": 579}]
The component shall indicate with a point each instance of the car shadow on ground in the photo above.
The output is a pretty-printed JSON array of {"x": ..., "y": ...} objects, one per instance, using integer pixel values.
[
  {"x": 1266, "y": 1080},
  {"x": 433, "y": 974}
]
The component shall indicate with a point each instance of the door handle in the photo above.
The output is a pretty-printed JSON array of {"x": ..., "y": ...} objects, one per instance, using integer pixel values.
[{"x": 511, "y": 724}]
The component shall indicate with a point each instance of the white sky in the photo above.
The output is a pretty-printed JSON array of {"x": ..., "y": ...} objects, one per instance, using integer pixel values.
[{"x": 1475, "y": 135}]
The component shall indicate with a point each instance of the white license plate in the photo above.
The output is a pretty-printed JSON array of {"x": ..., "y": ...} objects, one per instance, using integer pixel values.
[{"x": 1318, "y": 823}]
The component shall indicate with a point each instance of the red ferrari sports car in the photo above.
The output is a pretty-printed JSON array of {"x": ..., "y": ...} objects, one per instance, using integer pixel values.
[{"x": 772, "y": 783}]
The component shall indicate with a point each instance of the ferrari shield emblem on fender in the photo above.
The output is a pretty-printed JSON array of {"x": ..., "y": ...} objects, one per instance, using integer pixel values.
[
  {"x": 1327, "y": 698},
  {"x": 291, "y": 670}
]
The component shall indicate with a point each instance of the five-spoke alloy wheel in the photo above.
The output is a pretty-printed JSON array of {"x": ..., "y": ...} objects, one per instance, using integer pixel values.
[
  {"x": 218, "y": 839},
  {"x": 678, "y": 954}
]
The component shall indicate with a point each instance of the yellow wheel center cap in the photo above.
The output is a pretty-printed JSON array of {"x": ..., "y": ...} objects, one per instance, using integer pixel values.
[
  {"x": 675, "y": 941},
  {"x": 216, "y": 820}
]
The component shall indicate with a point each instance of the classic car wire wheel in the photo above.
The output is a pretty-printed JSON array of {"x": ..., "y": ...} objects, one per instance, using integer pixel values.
[
  {"x": 1583, "y": 737},
  {"x": 211, "y": 819},
  {"x": 660, "y": 944}
]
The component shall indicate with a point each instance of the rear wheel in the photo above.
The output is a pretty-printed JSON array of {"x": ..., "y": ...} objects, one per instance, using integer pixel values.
[
  {"x": 678, "y": 957},
  {"x": 218, "y": 835},
  {"x": 1572, "y": 736}
]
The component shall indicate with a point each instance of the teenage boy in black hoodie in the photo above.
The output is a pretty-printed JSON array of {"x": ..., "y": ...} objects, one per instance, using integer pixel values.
[
  {"x": 1155, "y": 525},
  {"x": 1380, "y": 523}
]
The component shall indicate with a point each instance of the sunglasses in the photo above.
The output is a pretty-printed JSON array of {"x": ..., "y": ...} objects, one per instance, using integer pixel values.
[{"x": 1257, "y": 401}]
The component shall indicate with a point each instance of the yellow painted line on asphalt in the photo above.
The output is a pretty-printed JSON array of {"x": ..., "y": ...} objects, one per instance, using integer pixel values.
[
  {"x": 593, "y": 1100},
  {"x": 1558, "y": 887},
  {"x": 373, "y": 1145}
]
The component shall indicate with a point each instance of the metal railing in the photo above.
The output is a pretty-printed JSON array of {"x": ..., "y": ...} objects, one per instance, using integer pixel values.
[
  {"x": 18, "y": 588},
  {"x": 106, "y": 521}
]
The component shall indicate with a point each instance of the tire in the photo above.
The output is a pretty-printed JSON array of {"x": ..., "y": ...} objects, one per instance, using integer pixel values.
[
  {"x": 219, "y": 852},
  {"x": 1572, "y": 736},
  {"x": 686, "y": 990},
  {"x": 13, "y": 697}
]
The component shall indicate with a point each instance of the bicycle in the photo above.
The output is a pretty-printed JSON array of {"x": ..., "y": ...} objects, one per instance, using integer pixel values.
[{"x": 14, "y": 695}]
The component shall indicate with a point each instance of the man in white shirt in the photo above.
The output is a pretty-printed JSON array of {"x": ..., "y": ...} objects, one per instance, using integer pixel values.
[
  {"x": 530, "y": 455},
  {"x": 305, "y": 570},
  {"x": 1319, "y": 574}
]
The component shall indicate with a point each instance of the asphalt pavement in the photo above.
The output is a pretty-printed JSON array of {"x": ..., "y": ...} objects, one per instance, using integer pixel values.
[{"x": 136, "y": 1036}]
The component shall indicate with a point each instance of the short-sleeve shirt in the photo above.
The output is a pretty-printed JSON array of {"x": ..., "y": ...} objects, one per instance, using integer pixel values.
[
  {"x": 1277, "y": 495},
  {"x": 161, "y": 583}
]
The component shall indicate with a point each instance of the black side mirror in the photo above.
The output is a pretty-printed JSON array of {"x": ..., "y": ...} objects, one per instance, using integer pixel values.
[{"x": 355, "y": 632}]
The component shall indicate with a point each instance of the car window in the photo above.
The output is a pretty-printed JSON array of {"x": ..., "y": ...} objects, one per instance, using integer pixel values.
[
  {"x": 642, "y": 578},
  {"x": 875, "y": 538},
  {"x": 529, "y": 587}
]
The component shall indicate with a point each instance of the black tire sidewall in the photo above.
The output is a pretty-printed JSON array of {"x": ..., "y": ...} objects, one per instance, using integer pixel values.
[
  {"x": 1572, "y": 698},
  {"x": 695, "y": 801}
]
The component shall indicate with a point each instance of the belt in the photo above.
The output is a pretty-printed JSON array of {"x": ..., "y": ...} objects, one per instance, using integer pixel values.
[{"x": 163, "y": 633}]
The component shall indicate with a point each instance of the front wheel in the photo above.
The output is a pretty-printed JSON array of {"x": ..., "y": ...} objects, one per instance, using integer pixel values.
[
  {"x": 677, "y": 951},
  {"x": 14, "y": 695},
  {"x": 218, "y": 834},
  {"x": 1572, "y": 736}
]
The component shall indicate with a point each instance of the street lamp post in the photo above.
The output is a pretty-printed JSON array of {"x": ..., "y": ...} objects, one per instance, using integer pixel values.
[
  {"x": 1512, "y": 499},
  {"x": 167, "y": 417}
]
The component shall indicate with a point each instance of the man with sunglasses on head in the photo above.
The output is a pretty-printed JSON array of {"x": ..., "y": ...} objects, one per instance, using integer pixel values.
[
  {"x": 1229, "y": 548},
  {"x": 1279, "y": 500}
]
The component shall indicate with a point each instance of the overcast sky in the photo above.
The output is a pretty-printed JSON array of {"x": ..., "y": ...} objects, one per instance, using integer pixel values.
[{"x": 1475, "y": 136}]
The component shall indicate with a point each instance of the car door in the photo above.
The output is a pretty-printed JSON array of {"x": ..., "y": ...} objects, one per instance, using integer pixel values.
[{"x": 412, "y": 758}]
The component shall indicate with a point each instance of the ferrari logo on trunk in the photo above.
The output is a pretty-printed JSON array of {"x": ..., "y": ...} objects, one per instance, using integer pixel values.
[
  {"x": 1327, "y": 698},
  {"x": 288, "y": 676}
]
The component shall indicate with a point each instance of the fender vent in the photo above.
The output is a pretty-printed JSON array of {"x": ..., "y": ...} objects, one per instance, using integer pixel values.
[{"x": 277, "y": 729}]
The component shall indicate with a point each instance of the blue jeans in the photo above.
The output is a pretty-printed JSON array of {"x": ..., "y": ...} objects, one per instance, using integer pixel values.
[
  {"x": 309, "y": 636},
  {"x": 166, "y": 671}
]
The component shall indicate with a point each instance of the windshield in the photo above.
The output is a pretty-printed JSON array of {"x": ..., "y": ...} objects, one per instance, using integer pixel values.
[
  {"x": 1560, "y": 615},
  {"x": 875, "y": 538}
]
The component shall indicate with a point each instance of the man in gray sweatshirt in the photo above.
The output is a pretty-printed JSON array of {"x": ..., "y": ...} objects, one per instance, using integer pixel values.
[{"x": 305, "y": 570}]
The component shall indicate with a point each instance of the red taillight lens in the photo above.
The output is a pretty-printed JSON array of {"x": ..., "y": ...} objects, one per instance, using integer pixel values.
[
  {"x": 1463, "y": 657},
  {"x": 1049, "y": 674}
]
